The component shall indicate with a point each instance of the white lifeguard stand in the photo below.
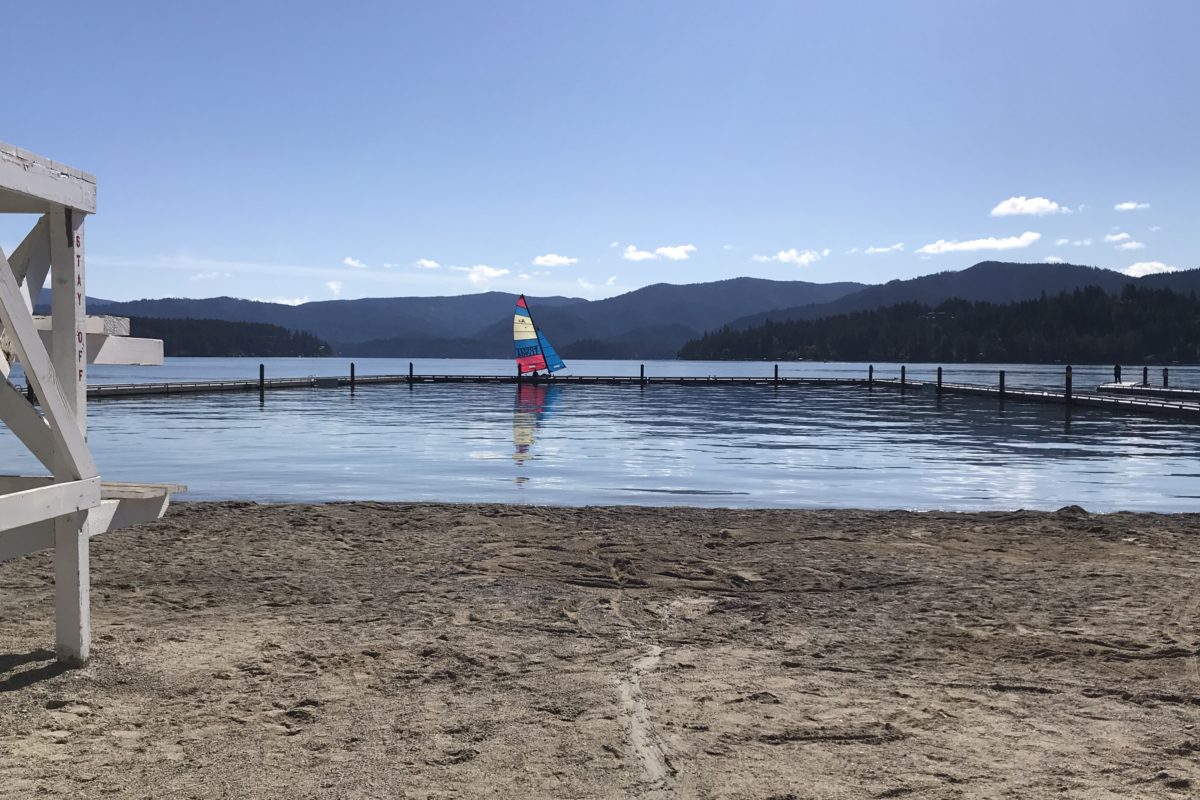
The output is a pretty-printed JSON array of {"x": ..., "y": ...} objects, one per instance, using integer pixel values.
[{"x": 66, "y": 508}]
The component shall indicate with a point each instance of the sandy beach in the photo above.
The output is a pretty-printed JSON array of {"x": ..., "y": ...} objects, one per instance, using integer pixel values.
[{"x": 432, "y": 651}]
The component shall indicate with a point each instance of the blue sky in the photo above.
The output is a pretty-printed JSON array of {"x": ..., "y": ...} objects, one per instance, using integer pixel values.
[{"x": 289, "y": 151}]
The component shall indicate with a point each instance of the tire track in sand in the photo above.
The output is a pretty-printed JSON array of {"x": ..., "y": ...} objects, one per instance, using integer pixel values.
[{"x": 658, "y": 773}]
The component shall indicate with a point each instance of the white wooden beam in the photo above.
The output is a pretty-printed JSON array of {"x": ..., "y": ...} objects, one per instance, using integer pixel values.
[
  {"x": 104, "y": 349},
  {"x": 124, "y": 350},
  {"x": 30, "y": 262},
  {"x": 48, "y": 502},
  {"x": 68, "y": 436},
  {"x": 26, "y": 424},
  {"x": 30, "y": 183},
  {"x": 73, "y": 587},
  {"x": 100, "y": 323},
  {"x": 68, "y": 300},
  {"x": 122, "y": 505}
]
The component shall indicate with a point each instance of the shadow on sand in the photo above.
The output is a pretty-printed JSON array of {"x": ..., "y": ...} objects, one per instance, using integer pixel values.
[{"x": 12, "y": 677}]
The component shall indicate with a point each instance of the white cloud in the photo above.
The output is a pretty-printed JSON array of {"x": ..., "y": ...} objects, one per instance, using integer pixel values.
[
  {"x": 726, "y": 247},
  {"x": 525, "y": 276},
  {"x": 612, "y": 281},
  {"x": 991, "y": 243},
  {"x": 584, "y": 284},
  {"x": 427, "y": 263},
  {"x": 631, "y": 253},
  {"x": 889, "y": 249},
  {"x": 1155, "y": 228},
  {"x": 1130, "y": 245},
  {"x": 852, "y": 251},
  {"x": 287, "y": 301},
  {"x": 1034, "y": 206},
  {"x": 1054, "y": 260},
  {"x": 388, "y": 265},
  {"x": 679, "y": 252},
  {"x": 554, "y": 260},
  {"x": 1130, "y": 205},
  {"x": 1116, "y": 237},
  {"x": 482, "y": 273},
  {"x": 335, "y": 288},
  {"x": 614, "y": 244},
  {"x": 1143, "y": 268},
  {"x": 210, "y": 276},
  {"x": 353, "y": 262},
  {"x": 801, "y": 258}
]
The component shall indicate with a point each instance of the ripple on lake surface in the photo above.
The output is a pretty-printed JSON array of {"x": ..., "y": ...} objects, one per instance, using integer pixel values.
[{"x": 665, "y": 445}]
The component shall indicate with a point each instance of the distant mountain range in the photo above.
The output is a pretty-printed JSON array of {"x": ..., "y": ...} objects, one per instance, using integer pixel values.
[{"x": 652, "y": 322}]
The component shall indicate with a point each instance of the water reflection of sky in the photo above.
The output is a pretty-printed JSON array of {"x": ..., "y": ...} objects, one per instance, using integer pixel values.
[{"x": 726, "y": 446}]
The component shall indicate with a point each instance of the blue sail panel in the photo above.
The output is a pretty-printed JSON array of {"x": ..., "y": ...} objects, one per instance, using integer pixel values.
[{"x": 553, "y": 362}]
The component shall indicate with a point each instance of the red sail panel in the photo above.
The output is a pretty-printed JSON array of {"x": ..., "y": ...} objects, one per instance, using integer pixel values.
[{"x": 531, "y": 363}]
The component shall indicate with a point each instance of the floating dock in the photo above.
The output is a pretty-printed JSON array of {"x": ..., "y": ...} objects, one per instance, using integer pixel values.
[
  {"x": 1141, "y": 390},
  {"x": 313, "y": 382},
  {"x": 1120, "y": 397},
  {"x": 1137, "y": 404}
]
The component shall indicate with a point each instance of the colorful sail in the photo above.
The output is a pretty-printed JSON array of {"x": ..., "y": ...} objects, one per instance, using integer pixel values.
[
  {"x": 533, "y": 350},
  {"x": 553, "y": 362}
]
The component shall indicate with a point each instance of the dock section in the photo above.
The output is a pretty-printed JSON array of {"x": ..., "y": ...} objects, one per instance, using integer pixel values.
[
  {"x": 1135, "y": 404},
  {"x": 103, "y": 391},
  {"x": 1118, "y": 397}
]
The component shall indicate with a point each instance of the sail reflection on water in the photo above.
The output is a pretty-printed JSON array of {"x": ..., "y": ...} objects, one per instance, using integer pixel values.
[{"x": 533, "y": 403}]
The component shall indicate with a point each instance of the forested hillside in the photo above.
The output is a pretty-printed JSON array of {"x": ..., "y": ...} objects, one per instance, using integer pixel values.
[
  {"x": 215, "y": 337},
  {"x": 1084, "y": 325}
]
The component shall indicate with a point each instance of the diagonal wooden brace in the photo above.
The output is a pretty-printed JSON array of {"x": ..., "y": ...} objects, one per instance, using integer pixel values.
[{"x": 68, "y": 437}]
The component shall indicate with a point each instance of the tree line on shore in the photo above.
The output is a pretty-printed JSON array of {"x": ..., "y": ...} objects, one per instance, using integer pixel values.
[
  {"x": 215, "y": 337},
  {"x": 1084, "y": 325}
]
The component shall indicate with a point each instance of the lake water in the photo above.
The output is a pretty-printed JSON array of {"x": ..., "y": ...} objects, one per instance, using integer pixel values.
[{"x": 663, "y": 445}]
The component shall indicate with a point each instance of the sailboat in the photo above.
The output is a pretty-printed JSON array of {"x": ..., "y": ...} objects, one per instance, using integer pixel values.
[{"x": 534, "y": 351}]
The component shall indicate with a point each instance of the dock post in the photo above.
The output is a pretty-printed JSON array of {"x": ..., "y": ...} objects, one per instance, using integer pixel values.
[
  {"x": 903, "y": 377},
  {"x": 776, "y": 376},
  {"x": 351, "y": 376},
  {"x": 410, "y": 374},
  {"x": 870, "y": 376},
  {"x": 1145, "y": 376},
  {"x": 1165, "y": 381},
  {"x": 1068, "y": 392},
  {"x": 642, "y": 374},
  {"x": 1002, "y": 386},
  {"x": 262, "y": 381},
  {"x": 939, "y": 380},
  {"x": 1117, "y": 373}
]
